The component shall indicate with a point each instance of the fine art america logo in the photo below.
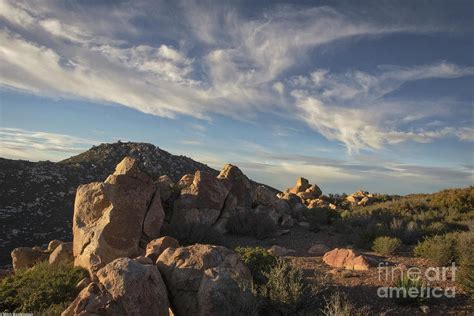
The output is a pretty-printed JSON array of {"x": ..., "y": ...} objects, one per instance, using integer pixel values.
[{"x": 414, "y": 283}]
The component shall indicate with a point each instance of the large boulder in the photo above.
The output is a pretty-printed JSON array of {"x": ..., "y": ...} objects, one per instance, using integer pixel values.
[
  {"x": 62, "y": 254},
  {"x": 166, "y": 186},
  {"x": 205, "y": 192},
  {"x": 238, "y": 183},
  {"x": 185, "y": 181},
  {"x": 112, "y": 217},
  {"x": 124, "y": 287},
  {"x": 301, "y": 185},
  {"x": 25, "y": 257},
  {"x": 348, "y": 259},
  {"x": 264, "y": 196},
  {"x": 201, "y": 202},
  {"x": 204, "y": 279},
  {"x": 156, "y": 247}
]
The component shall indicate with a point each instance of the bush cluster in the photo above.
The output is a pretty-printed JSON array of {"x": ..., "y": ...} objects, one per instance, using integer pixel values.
[
  {"x": 386, "y": 245},
  {"x": 40, "y": 289},
  {"x": 410, "y": 218},
  {"x": 277, "y": 284},
  {"x": 250, "y": 223},
  {"x": 258, "y": 260}
]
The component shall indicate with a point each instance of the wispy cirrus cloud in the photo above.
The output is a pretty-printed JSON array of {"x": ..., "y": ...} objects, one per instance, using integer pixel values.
[
  {"x": 18, "y": 143},
  {"x": 217, "y": 61}
]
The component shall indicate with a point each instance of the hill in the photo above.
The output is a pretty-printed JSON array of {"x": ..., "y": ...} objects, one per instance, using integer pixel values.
[{"x": 43, "y": 192}]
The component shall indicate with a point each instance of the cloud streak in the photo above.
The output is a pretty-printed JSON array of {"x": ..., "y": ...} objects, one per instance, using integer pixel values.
[
  {"x": 221, "y": 62},
  {"x": 18, "y": 143}
]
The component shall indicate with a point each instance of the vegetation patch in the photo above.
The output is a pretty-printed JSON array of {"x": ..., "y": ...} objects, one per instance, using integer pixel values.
[
  {"x": 386, "y": 245},
  {"x": 40, "y": 289}
]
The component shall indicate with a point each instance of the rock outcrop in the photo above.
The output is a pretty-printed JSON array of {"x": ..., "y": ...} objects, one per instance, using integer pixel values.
[
  {"x": 112, "y": 217},
  {"x": 26, "y": 257},
  {"x": 62, "y": 254},
  {"x": 348, "y": 259},
  {"x": 362, "y": 198},
  {"x": 124, "y": 287},
  {"x": 204, "y": 280}
]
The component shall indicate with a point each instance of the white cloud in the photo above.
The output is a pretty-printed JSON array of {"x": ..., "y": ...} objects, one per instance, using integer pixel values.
[
  {"x": 220, "y": 63},
  {"x": 350, "y": 107},
  {"x": 18, "y": 143}
]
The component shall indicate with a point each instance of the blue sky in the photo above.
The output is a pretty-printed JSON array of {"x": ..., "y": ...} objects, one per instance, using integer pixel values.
[{"x": 374, "y": 95}]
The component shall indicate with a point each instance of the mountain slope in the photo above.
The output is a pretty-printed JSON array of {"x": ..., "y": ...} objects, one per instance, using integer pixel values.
[{"x": 37, "y": 198}]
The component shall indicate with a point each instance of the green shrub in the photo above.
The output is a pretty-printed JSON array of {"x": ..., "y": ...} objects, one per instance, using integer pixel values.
[
  {"x": 405, "y": 286},
  {"x": 190, "y": 234},
  {"x": 284, "y": 289},
  {"x": 258, "y": 260},
  {"x": 339, "y": 305},
  {"x": 439, "y": 249},
  {"x": 39, "y": 288},
  {"x": 386, "y": 245},
  {"x": 250, "y": 223}
]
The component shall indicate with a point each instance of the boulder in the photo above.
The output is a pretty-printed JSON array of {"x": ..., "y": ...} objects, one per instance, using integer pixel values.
[
  {"x": 318, "y": 250},
  {"x": 264, "y": 196},
  {"x": 53, "y": 244},
  {"x": 280, "y": 251},
  {"x": 292, "y": 199},
  {"x": 318, "y": 203},
  {"x": 157, "y": 246},
  {"x": 315, "y": 190},
  {"x": 365, "y": 201},
  {"x": 62, "y": 254},
  {"x": 166, "y": 186},
  {"x": 93, "y": 300},
  {"x": 282, "y": 207},
  {"x": 307, "y": 195},
  {"x": 203, "y": 279},
  {"x": 348, "y": 259},
  {"x": 139, "y": 288},
  {"x": 301, "y": 185},
  {"x": 351, "y": 199},
  {"x": 25, "y": 257},
  {"x": 205, "y": 192},
  {"x": 238, "y": 184},
  {"x": 111, "y": 217},
  {"x": 123, "y": 287},
  {"x": 185, "y": 181}
]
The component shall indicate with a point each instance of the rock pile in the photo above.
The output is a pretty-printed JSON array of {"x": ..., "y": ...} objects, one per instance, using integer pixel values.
[
  {"x": 134, "y": 271},
  {"x": 362, "y": 198}
]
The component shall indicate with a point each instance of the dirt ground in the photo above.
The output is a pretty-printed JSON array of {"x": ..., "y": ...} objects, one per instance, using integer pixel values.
[{"x": 360, "y": 287}]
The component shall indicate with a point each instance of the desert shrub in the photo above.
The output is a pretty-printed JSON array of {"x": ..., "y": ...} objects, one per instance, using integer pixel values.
[
  {"x": 405, "y": 293},
  {"x": 250, "y": 223},
  {"x": 321, "y": 216},
  {"x": 339, "y": 305},
  {"x": 190, "y": 234},
  {"x": 258, "y": 260},
  {"x": 465, "y": 261},
  {"x": 40, "y": 288},
  {"x": 283, "y": 292},
  {"x": 386, "y": 245},
  {"x": 439, "y": 249}
]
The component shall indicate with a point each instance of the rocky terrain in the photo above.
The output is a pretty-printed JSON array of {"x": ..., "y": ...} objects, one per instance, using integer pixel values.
[
  {"x": 217, "y": 243},
  {"x": 36, "y": 198}
]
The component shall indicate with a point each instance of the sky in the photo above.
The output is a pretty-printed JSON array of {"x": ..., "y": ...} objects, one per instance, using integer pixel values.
[{"x": 373, "y": 95}]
